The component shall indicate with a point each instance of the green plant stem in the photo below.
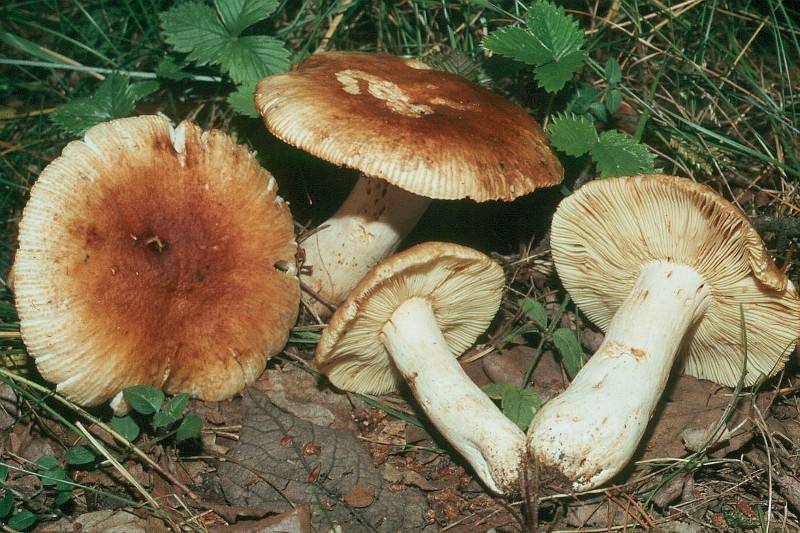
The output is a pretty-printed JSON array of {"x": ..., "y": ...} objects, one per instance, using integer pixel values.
[{"x": 100, "y": 70}]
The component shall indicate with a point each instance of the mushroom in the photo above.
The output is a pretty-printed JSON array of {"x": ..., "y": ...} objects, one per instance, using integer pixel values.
[
  {"x": 406, "y": 321},
  {"x": 414, "y": 134},
  {"x": 158, "y": 256},
  {"x": 663, "y": 265}
]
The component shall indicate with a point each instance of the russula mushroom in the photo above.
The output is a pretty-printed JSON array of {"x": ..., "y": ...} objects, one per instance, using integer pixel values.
[
  {"x": 662, "y": 264},
  {"x": 154, "y": 255},
  {"x": 406, "y": 321},
  {"x": 414, "y": 134}
]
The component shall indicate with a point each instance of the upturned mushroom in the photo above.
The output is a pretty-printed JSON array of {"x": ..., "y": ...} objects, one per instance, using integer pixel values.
[
  {"x": 663, "y": 265},
  {"x": 154, "y": 255},
  {"x": 415, "y": 134},
  {"x": 407, "y": 320}
]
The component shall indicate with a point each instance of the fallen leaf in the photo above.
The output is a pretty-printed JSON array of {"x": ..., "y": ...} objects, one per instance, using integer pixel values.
[
  {"x": 108, "y": 521},
  {"x": 295, "y": 521},
  {"x": 283, "y": 473},
  {"x": 360, "y": 496}
]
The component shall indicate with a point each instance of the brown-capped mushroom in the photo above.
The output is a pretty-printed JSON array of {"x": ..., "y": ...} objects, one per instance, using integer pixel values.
[
  {"x": 415, "y": 134},
  {"x": 154, "y": 255}
]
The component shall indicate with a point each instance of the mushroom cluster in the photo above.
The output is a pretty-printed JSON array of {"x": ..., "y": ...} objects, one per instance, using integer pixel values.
[{"x": 161, "y": 255}]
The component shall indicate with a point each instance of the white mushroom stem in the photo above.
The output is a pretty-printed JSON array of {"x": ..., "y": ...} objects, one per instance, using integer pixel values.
[
  {"x": 463, "y": 414},
  {"x": 367, "y": 228},
  {"x": 590, "y": 431}
]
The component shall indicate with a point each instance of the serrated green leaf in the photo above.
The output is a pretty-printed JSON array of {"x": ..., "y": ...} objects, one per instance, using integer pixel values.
[
  {"x": 126, "y": 426},
  {"x": 518, "y": 44},
  {"x": 79, "y": 455},
  {"x": 557, "y": 33},
  {"x": 194, "y": 28},
  {"x": 572, "y": 135},
  {"x": 144, "y": 399},
  {"x": 554, "y": 75},
  {"x": 520, "y": 405},
  {"x": 47, "y": 462},
  {"x": 22, "y": 520},
  {"x": 248, "y": 59},
  {"x": 618, "y": 154},
  {"x": 456, "y": 62},
  {"x": 568, "y": 345},
  {"x": 189, "y": 428},
  {"x": 114, "y": 98},
  {"x": 613, "y": 72},
  {"x": 6, "y": 504},
  {"x": 535, "y": 311},
  {"x": 3, "y": 473},
  {"x": 496, "y": 391},
  {"x": 237, "y": 15},
  {"x": 613, "y": 101}
]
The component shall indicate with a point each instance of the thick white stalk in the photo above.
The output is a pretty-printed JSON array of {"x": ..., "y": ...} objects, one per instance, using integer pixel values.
[
  {"x": 463, "y": 414},
  {"x": 590, "y": 431},
  {"x": 367, "y": 228}
]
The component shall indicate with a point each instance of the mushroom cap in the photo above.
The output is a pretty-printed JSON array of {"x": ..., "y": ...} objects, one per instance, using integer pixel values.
[
  {"x": 463, "y": 286},
  {"x": 607, "y": 230},
  {"x": 429, "y": 132},
  {"x": 147, "y": 255}
]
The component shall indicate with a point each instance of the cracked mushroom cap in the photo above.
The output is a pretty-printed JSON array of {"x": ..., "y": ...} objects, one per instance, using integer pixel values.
[
  {"x": 605, "y": 232},
  {"x": 463, "y": 286},
  {"x": 429, "y": 132},
  {"x": 153, "y": 255}
]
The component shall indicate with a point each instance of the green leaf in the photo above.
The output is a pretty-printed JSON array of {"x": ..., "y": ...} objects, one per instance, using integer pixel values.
[
  {"x": 456, "y": 62},
  {"x": 47, "y": 462},
  {"x": 568, "y": 345},
  {"x": 241, "y": 101},
  {"x": 613, "y": 101},
  {"x": 114, "y": 98},
  {"x": 22, "y": 520},
  {"x": 496, "y": 391},
  {"x": 3, "y": 473},
  {"x": 26, "y": 46},
  {"x": 535, "y": 311},
  {"x": 54, "y": 478},
  {"x": 583, "y": 97},
  {"x": 250, "y": 58},
  {"x": 613, "y": 72},
  {"x": 170, "y": 70},
  {"x": 518, "y": 44},
  {"x": 6, "y": 504},
  {"x": 237, "y": 15},
  {"x": 194, "y": 28},
  {"x": 572, "y": 135},
  {"x": 189, "y": 428},
  {"x": 520, "y": 405},
  {"x": 79, "y": 455},
  {"x": 162, "y": 419},
  {"x": 557, "y": 33},
  {"x": 63, "y": 497},
  {"x": 144, "y": 399},
  {"x": 177, "y": 405},
  {"x": 618, "y": 154},
  {"x": 126, "y": 426},
  {"x": 553, "y": 76}
]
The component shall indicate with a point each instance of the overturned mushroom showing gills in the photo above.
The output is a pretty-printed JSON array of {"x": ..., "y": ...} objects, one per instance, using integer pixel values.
[
  {"x": 412, "y": 132},
  {"x": 408, "y": 319},
  {"x": 154, "y": 255},
  {"x": 663, "y": 265}
]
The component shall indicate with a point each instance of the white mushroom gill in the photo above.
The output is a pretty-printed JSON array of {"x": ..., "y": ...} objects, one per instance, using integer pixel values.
[
  {"x": 589, "y": 432},
  {"x": 465, "y": 416}
]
